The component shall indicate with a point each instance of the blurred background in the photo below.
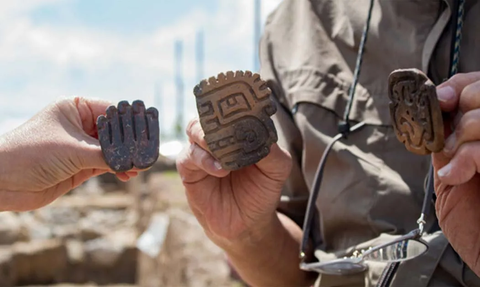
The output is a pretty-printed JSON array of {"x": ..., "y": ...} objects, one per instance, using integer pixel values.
[{"x": 108, "y": 233}]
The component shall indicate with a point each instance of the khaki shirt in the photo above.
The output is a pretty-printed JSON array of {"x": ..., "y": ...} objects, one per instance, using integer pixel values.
[{"x": 372, "y": 186}]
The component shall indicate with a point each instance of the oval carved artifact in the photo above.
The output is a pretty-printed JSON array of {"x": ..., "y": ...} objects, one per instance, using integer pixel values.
[{"x": 415, "y": 111}]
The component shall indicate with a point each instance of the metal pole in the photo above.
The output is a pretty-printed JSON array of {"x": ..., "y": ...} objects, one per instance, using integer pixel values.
[
  {"x": 257, "y": 31},
  {"x": 157, "y": 98},
  {"x": 157, "y": 102},
  {"x": 200, "y": 55},
  {"x": 179, "y": 83}
]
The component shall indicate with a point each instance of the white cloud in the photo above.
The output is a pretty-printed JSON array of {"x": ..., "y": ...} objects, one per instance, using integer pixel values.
[
  {"x": 11, "y": 9},
  {"x": 46, "y": 61}
]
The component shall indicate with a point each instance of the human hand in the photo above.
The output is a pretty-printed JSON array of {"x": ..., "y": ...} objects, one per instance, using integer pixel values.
[
  {"x": 233, "y": 206},
  {"x": 52, "y": 153},
  {"x": 457, "y": 167}
]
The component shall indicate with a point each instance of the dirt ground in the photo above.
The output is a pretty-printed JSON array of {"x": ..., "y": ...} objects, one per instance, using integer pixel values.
[
  {"x": 90, "y": 238},
  {"x": 190, "y": 258}
]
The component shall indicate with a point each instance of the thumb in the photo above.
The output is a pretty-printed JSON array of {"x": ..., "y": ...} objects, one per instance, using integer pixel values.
[
  {"x": 89, "y": 109},
  {"x": 459, "y": 168},
  {"x": 440, "y": 159},
  {"x": 88, "y": 152},
  {"x": 277, "y": 164},
  {"x": 90, "y": 155}
]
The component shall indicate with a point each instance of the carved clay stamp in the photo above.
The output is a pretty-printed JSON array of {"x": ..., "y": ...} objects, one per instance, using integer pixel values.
[
  {"x": 234, "y": 111},
  {"x": 129, "y": 136},
  {"x": 415, "y": 111}
]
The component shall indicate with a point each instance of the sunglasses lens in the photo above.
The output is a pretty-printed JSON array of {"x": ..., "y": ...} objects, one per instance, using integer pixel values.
[
  {"x": 398, "y": 251},
  {"x": 337, "y": 267}
]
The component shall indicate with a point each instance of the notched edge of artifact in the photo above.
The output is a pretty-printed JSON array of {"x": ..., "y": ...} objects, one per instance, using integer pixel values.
[
  {"x": 221, "y": 79},
  {"x": 435, "y": 114}
]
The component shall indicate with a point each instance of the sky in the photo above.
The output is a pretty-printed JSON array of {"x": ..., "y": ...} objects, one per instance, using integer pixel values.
[{"x": 116, "y": 50}]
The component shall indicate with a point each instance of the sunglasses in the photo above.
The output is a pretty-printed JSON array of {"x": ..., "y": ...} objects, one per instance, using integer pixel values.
[{"x": 403, "y": 248}]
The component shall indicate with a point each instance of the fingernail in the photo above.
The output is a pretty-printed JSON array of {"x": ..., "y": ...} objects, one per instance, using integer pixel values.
[
  {"x": 445, "y": 170},
  {"x": 445, "y": 94},
  {"x": 450, "y": 143},
  {"x": 217, "y": 165}
]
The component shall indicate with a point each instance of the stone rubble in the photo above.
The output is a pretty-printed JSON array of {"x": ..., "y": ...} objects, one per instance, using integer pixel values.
[{"x": 89, "y": 238}]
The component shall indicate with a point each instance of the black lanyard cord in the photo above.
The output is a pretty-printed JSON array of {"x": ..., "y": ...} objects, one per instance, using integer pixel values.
[
  {"x": 344, "y": 130},
  {"x": 316, "y": 189},
  {"x": 457, "y": 26},
  {"x": 344, "y": 127}
]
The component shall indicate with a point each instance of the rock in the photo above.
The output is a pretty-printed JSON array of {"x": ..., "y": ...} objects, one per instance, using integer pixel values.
[
  {"x": 10, "y": 228},
  {"x": 107, "y": 219},
  {"x": 98, "y": 223},
  {"x": 39, "y": 262},
  {"x": 57, "y": 215},
  {"x": 151, "y": 241},
  {"x": 111, "y": 201},
  {"x": 187, "y": 257},
  {"x": 69, "y": 231},
  {"x": 34, "y": 229},
  {"x": 76, "y": 271},
  {"x": 112, "y": 259},
  {"x": 102, "y": 253},
  {"x": 7, "y": 275},
  {"x": 75, "y": 251}
]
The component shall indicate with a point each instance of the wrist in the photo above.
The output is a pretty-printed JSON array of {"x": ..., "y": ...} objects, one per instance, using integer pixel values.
[
  {"x": 266, "y": 233},
  {"x": 273, "y": 250}
]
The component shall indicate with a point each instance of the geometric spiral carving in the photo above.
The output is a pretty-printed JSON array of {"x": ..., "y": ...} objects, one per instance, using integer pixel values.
[
  {"x": 129, "y": 136},
  {"x": 234, "y": 111},
  {"x": 415, "y": 111}
]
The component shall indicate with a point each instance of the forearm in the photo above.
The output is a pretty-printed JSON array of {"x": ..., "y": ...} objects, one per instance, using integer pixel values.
[
  {"x": 273, "y": 260},
  {"x": 15, "y": 159}
]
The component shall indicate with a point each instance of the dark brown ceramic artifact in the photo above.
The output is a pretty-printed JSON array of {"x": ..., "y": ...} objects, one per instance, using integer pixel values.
[
  {"x": 415, "y": 111},
  {"x": 234, "y": 111},
  {"x": 129, "y": 136}
]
